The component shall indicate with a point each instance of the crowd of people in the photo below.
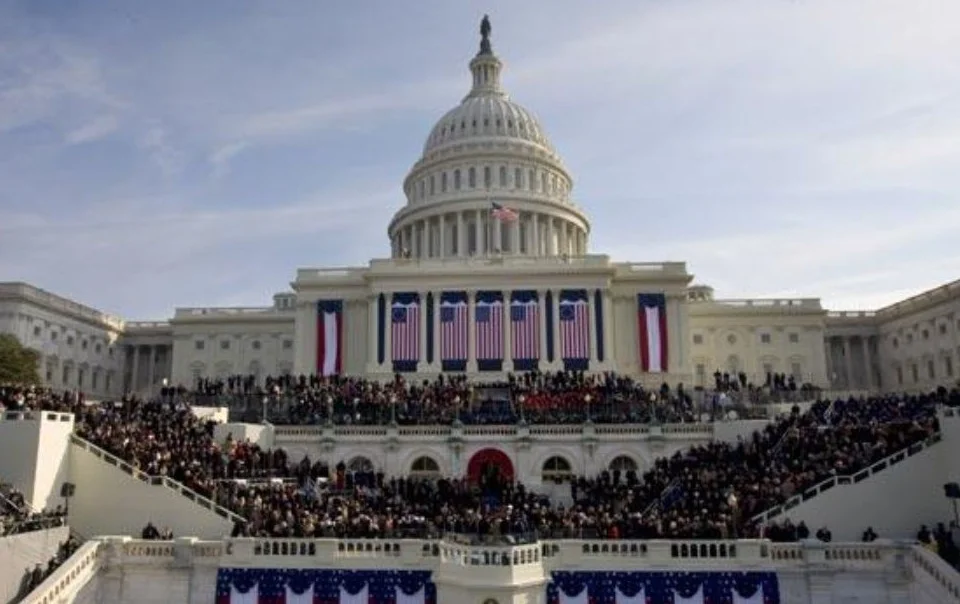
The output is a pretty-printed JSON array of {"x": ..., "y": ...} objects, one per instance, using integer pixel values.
[
  {"x": 538, "y": 398},
  {"x": 708, "y": 491},
  {"x": 941, "y": 541},
  {"x": 33, "y": 578},
  {"x": 16, "y": 517}
]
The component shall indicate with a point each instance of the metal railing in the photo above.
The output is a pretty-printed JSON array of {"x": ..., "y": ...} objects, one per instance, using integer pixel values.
[
  {"x": 847, "y": 479},
  {"x": 150, "y": 479}
]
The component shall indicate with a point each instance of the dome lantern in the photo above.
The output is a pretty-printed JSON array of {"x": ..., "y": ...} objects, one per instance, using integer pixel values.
[{"x": 486, "y": 67}]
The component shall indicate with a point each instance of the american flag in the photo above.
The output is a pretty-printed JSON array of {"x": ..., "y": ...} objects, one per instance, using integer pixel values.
[
  {"x": 574, "y": 329},
  {"x": 503, "y": 213},
  {"x": 453, "y": 330},
  {"x": 405, "y": 331},
  {"x": 525, "y": 329},
  {"x": 490, "y": 330}
]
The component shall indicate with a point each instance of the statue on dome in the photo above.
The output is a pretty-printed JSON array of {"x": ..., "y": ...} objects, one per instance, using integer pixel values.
[{"x": 485, "y": 30}]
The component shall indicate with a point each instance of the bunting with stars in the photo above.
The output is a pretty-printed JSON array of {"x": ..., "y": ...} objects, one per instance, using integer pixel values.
[
  {"x": 324, "y": 586},
  {"x": 622, "y": 587}
]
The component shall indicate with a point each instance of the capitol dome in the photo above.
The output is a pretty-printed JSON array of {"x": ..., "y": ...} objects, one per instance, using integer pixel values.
[{"x": 489, "y": 181}]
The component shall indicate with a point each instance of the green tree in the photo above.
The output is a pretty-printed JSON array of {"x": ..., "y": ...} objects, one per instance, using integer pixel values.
[{"x": 18, "y": 364}]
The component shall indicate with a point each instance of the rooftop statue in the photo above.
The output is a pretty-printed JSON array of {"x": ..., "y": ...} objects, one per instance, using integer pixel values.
[{"x": 485, "y": 30}]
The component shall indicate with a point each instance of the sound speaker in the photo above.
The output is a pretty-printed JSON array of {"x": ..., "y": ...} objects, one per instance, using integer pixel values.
[
  {"x": 67, "y": 490},
  {"x": 951, "y": 490}
]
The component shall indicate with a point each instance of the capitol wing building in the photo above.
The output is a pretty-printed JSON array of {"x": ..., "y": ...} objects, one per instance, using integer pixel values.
[{"x": 490, "y": 272}]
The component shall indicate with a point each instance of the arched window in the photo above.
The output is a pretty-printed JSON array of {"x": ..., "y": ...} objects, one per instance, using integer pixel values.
[
  {"x": 556, "y": 469},
  {"x": 531, "y": 180},
  {"x": 360, "y": 464},
  {"x": 443, "y": 182},
  {"x": 503, "y": 177},
  {"x": 487, "y": 177},
  {"x": 518, "y": 178},
  {"x": 623, "y": 463},
  {"x": 456, "y": 179},
  {"x": 472, "y": 178},
  {"x": 433, "y": 184},
  {"x": 424, "y": 467}
]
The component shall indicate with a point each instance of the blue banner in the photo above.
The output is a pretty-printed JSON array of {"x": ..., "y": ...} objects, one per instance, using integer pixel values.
[{"x": 664, "y": 587}]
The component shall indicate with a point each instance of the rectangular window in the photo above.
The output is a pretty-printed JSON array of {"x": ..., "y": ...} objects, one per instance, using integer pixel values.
[
  {"x": 472, "y": 178},
  {"x": 487, "y": 177},
  {"x": 518, "y": 179},
  {"x": 443, "y": 182},
  {"x": 456, "y": 179},
  {"x": 287, "y": 344},
  {"x": 764, "y": 338},
  {"x": 794, "y": 338},
  {"x": 503, "y": 177},
  {"x": 948, "y": 366},
  {"x": 900, "y": 376},
  {"x": 433, "y": 184},
  {"x": 701, "y": 374},
  {"x": 225, "y": 345},
  {"x": 915, "y": 371},
  {"x": 198, "y": 345},
  {"x": 531, "y": 180},
  {"x": 697, "y": 338},
  {"x": 796, "y": 372},
  {"x": 931, "y": 370}
]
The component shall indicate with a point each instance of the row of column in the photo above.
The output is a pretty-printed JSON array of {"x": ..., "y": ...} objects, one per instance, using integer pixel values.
[
  {"x": 846, "y": 376},
  {"x": 448, "y": 235},
  {"x": 595, "y": 360},
  {"x": 154, "y": 355}
]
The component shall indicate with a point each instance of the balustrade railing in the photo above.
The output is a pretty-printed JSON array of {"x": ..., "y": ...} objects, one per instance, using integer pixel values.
[
  {"x": 162, "y": 481},
  {"x": 847, "y": 479},
  {"x": 70, "y": 577}
]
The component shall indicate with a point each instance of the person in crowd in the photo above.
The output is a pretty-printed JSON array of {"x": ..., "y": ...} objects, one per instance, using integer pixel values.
[
  {"x": 33, "y": 578},
  {"x": 16, "y": 516}
]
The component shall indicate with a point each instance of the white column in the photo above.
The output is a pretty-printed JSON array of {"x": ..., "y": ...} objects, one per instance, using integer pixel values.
[
  {"x": 515, "y": 237},
  {"x": 461, "y": 236},
  {"x": 542, "y": 307},
  {"x": 507, "y": 343},
  {"x": 555, "y": 327},
  {"x": 435, "y": 365},
  {"x": 423, "y": 330},
  {"x": 827, "y": 360},
  {"x": 372, "y": 360},
  {"x": 480, "y": 234},
  {"x": 591, "y": 321},
  {"x": 388, "y": 333},
  {"x": 848, "y": 361},
  {"x": 471, "y": 332},
  {"x": 151, "y": 371},
  {"x": 535, "y": 230},
  {"x": 422, "y": 236},
  {"x": 608, "y": 345},
  {"x": 134, "y": 377},
  {"x": 442, "y": 235},
  {"x": 497, "y": 237},
  {"x": 867, "y": 363},
  {"x": 548, "y": 248}
]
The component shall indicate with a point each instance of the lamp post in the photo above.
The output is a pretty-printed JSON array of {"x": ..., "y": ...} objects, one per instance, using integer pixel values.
[
  {"x": 522, "y": 399},
  {"x": 393, "y": 409},
  {"x": 329, "y": 410},
  {"x": 734, "y": 511},
  {"x": 586, "y": 399}
]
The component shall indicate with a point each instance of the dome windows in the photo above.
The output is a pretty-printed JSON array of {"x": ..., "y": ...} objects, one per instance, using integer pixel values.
[
  {"x": 443, "y": 182},
  {"x": 518, "y": 178},
  {"x": 503, "y": 177},
  {"x": 487, "y": 177},
  {"x": 472, "y": 178},
  {"x": 456, "y": 179}
]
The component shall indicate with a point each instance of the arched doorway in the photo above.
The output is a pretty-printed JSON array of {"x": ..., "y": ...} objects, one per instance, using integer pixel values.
[{"x": 489, "y": 464}]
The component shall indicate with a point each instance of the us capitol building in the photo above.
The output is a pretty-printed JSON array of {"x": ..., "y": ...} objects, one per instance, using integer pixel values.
[{"x": 491, "y": 272}]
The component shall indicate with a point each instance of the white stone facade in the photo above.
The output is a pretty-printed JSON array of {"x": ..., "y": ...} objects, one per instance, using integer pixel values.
[
  {"x": 79, "y": 346},
  {"x": 121, "y": 570}
]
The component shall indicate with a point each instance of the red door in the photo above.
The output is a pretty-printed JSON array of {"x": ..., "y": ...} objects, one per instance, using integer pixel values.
[{"x": 486, "y": 460}]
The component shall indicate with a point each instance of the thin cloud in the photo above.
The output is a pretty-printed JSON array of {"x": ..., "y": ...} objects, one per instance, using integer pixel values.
[{"x": 94, "y": 130}]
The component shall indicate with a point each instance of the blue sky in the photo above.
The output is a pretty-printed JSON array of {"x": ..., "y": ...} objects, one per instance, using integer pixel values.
[{"x": 185, "y": 153}]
